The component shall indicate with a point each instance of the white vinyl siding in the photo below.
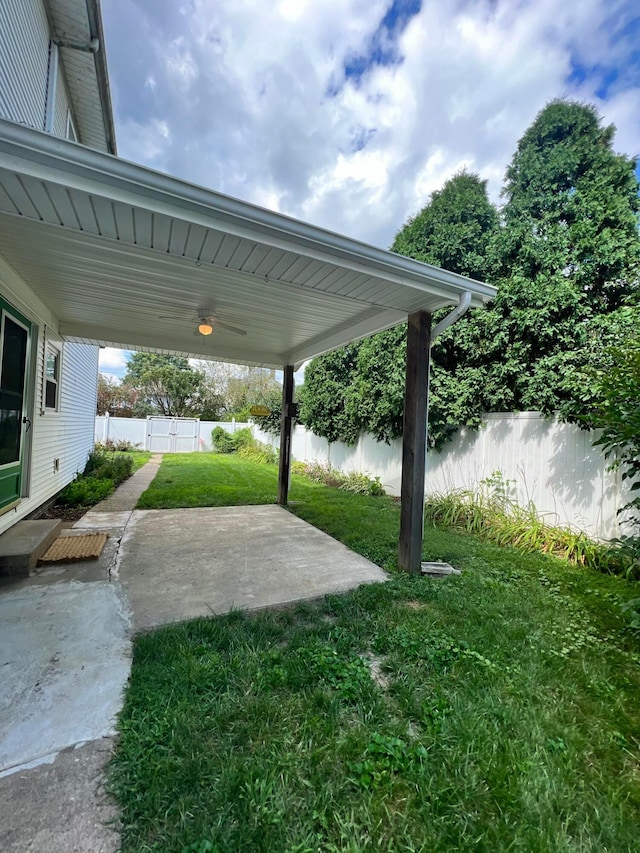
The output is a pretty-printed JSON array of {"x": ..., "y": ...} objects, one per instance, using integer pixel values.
[
  {"x": 65, "y": 435},
  {"x": 24, "y": 61}
]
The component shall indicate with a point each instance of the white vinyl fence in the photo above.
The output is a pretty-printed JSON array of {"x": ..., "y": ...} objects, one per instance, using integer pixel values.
[
  {"x": 552, "y": 464},
  {"x": 162, "y": 435}
]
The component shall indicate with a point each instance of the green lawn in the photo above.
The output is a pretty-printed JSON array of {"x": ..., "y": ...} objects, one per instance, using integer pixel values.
[{"x": 496, "y": 711}]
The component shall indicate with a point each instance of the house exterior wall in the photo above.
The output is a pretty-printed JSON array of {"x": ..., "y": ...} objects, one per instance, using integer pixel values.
[
  {"x": 24, "y": 62},
  {"x": 58, "y": 442},
  {"x": 24, "y": 67},
  {"x": 65, "y": 435}
]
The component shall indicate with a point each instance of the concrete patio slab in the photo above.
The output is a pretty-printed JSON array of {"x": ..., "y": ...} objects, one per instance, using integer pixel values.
[
  {"x": 183, "y": 563},
  {"x": 64, "y": 661},
  {"x": 61, "y": 806}
]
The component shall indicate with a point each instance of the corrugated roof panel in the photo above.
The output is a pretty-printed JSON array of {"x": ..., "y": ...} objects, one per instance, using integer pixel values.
[
  {"x": 225, "y": 252},
  {"x": 39, "y": 197},
  {"x": 179, "y": 236},
  {"x": 266, "y": 266},
  {"x": 305, "y": 274},
  {"x": 161, "y": 232},
  {"x": 84, "y": 211},
  {"x": 282, "y": 266},
  {"x": 297, "y": 268},
  {"x": 195, "y": 242},
  {"x": 7, "y": 204},
  {"x": 242, "y": 251},
  {"x": 15, "y": 190},
  {"x": 349, "y": 284},
  {"x": 123, "y": 214}
]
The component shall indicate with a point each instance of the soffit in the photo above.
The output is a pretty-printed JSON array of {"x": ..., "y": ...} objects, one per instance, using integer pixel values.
[{"x": 114, "y": 249}]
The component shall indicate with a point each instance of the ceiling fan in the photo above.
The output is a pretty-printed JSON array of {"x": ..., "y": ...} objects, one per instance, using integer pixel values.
[{"x": 207, "y": 322}]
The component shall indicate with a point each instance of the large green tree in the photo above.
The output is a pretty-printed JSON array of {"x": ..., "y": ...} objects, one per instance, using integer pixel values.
[
  {"x": 169, "y": 384},
  {"x": 360, "y": 388},
  {"x": 324, "y": 397},
  {"x": 454, "y": 230},
  {"x": 565, "y": 256},
  {"x": 568, "y": 254}
]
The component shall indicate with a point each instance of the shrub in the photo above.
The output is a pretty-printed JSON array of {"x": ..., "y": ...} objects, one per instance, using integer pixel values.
[
  {"x": 243, "y": 438},
  {"x": 118, "y": 446},
  {"x": 86, "y": 491},
  {"x": 259, "y": 452},
  {"x": 362, "y": 484},
  {"x": 322, "y": 472},
  {"x": 108, "y": 466},
  {"x": 222, "y": 441}
]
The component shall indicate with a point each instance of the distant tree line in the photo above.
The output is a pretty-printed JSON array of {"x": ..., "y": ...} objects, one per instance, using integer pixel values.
[{"x": 170, "y": 385}]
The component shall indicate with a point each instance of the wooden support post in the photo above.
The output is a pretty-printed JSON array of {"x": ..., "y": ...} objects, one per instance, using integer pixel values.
[
  {"x": 414, "y": 438},
  {"x": 285, "y": 435}
]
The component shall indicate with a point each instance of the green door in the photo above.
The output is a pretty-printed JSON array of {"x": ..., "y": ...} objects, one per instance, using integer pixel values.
[{"x": 15, "y": 331}]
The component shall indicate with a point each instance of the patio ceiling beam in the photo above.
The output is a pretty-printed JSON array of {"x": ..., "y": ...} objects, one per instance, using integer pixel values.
[
  {"x": 347, "y": 333},
  {"x": 240, "y": 353}
]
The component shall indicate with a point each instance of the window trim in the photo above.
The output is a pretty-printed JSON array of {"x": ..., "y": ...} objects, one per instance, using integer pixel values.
[{"x": 55, "y": 349}]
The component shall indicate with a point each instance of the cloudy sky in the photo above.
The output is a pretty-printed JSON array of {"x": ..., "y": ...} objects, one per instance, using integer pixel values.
[{"x": 349, "y": 113}]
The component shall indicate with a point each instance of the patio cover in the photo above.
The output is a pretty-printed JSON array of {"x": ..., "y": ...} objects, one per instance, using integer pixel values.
[
  {"x": 111, "y": 248},
  {"x": 124, "y": 256}
]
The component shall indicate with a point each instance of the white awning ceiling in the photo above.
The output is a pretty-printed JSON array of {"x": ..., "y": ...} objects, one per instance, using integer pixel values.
[{"x": 124, "y": 256}]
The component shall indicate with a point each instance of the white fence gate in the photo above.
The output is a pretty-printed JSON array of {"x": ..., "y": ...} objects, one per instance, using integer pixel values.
[{"x": 172, "y": 435}]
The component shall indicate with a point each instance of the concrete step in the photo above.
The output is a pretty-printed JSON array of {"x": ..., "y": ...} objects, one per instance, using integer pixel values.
[{"x": 23, "y": 544}]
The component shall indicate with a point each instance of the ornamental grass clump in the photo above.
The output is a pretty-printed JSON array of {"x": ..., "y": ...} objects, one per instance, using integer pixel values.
[{"x": 492, "y": 513}]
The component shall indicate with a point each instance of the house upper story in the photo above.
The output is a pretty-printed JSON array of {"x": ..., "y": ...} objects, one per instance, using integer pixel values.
[{"x": 53, "y": 70}]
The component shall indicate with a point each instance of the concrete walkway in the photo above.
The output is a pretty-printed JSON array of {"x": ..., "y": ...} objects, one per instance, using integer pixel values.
[{"x": 126, "y": 495}]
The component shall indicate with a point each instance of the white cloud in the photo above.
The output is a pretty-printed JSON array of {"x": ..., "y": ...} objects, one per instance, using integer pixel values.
[
  {"x": 112, "y": 358},
  {"x": 111, "y": 377},
  {"x": 251, "y": 98}
]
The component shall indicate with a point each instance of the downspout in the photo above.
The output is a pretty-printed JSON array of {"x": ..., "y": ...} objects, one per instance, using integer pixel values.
[
  {"x": 52, "y": 87},
  {"x": 464, "y": 301},
  {"x": 453, "y": 316},
  {"x": 92, "y": 46}
]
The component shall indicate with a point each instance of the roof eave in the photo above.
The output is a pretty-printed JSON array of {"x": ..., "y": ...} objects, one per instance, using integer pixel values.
[
  {"x": 128, "y": 180},
  {"x": 97, "y": 31}
]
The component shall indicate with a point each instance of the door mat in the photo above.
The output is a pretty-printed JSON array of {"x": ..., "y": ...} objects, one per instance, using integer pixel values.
[{"x": 67, "y": 549}]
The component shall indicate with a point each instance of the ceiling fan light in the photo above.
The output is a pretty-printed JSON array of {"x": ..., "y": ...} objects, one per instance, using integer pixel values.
[{"x": 205, "y": 328}]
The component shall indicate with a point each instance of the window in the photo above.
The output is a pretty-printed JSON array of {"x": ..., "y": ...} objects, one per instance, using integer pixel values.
[{"x": 52, "y": 379}]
